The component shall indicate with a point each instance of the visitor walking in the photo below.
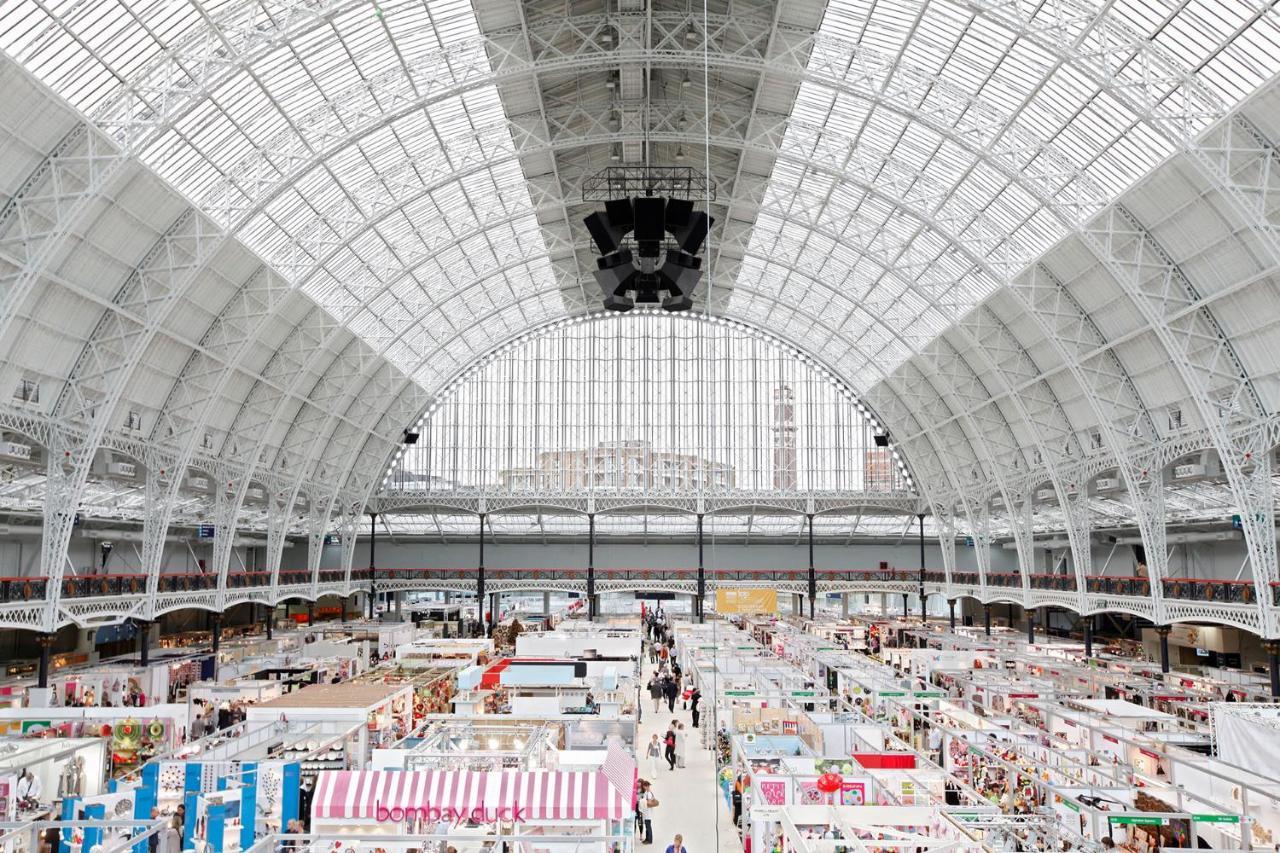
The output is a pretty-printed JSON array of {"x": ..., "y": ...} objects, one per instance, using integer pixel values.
[
  {"x": 670, "y": 689},
  {"x": 677, "y": 845},
  {"x": 736, "y": 800},
  {"x": 653, "y": 752},
  {"x": 669, "y": 743},
  {"x": 682, "y": 743},
  {"x": 694, "y": 698},
  {"x": 655, "y": 692}
]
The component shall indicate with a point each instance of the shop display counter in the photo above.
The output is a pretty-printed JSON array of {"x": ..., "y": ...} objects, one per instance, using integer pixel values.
[{"x": 61, "y": 767}]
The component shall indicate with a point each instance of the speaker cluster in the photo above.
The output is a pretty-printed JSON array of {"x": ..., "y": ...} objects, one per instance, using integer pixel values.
[{"x": 628, "y": 279}]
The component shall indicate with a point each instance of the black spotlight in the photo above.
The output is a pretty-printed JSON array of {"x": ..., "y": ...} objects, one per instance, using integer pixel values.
[
  {"x": 410, "y": 436},
  {"x": 882, "y": 439},
  {"x": 649, "y": 219}
]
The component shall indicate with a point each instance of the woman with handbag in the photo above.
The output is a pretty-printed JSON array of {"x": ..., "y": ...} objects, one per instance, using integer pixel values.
[{"x": 647, "y": 803}]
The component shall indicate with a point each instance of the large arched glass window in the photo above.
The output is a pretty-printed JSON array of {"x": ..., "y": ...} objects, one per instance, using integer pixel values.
[{"x": 647, "y": 403}]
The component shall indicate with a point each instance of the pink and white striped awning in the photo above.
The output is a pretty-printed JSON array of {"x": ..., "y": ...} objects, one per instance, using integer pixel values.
[{"x": 455, "y": 795}]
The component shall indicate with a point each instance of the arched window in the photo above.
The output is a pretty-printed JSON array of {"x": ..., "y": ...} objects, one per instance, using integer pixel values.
[{"x": 647, "y": 403}]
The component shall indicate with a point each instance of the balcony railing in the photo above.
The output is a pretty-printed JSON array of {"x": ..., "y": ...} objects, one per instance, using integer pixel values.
[
  {"x": 187, "y": 582},
  {"x": 15, "y": 590},
  {"x": 1066, "y": 583},
  {"x": 1139, "y": 587},
  {"x": 1200, "y": 589},
  {"x": 651, "y": 574},
  {"x": 296, "y": 577},
  {"x": 248, "y": 580}
]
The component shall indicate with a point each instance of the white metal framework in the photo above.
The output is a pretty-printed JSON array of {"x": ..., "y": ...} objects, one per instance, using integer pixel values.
[{"x": 244, "y": 243}]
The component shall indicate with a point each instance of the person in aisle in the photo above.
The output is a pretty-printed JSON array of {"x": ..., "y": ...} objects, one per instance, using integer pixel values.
[
  {"x": 664, "y": 655},
  {"x": 682, "y": 743},
  {"x": 28, "y": 789},
  {"x": 735, "y": 798},
  {"x": 694, "y": 698},
  {"x": 677, "y": 846},
  {"x": 935, "y": 744},
  {"x": 655, "y": 692},
  {"x": 653, "y": 752},
  {"x": 306, "y": 793},
  {"x": 670, "y": 690},
  {"x": 170, "y": 838},
  {"x": 647, "y": 803},
  {"x": 669, "y": 745}
]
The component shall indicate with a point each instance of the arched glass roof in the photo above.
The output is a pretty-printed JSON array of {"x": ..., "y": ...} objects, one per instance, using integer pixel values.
[{"x": 257, "y": 238}]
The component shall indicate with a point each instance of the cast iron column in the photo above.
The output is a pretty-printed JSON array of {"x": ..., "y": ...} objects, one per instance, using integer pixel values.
[
  {"x": 1162, "y": 632},
  {"x": 1088, "y": 637},
  {"x": 951, "y": 603},
  {"x": 311, "y": 614},
  {"x": 271, "y": 619},
  {"x": 480, "y": 583},
  {"x": 215, "y": 634},
  {"x": 924, "y": 610},
  {"x": 373, "y": 572},
  {"x": 702, "y": 576},
  {"x": 1031, "y": 625},
  {"x": 986, "y": 619},
  {"x": 144, "y": 641},
  {"x": 813, "y": 575},
  {"x": 591, "y": 567},
  {"x": 905, "y": 611},
  {"x": 45, "y": 642},
  {"x": 1272, "y": 648}
]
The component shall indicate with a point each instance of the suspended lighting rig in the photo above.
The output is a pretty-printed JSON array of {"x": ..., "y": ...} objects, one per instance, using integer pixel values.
[{"x": 666, "y": 232}]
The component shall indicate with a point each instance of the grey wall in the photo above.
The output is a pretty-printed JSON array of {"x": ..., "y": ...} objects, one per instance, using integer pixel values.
[{"x": 20, "y": 556}]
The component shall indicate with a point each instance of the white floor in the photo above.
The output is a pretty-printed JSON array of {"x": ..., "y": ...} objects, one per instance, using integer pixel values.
[{"x": 690, "y": 801}]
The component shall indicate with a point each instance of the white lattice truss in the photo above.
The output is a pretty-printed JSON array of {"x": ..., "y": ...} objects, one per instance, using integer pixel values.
[{"x": 978, "y": 406}]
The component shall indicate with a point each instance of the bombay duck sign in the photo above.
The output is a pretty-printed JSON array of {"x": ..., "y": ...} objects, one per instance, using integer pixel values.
[{"x": 452, "y": 814}]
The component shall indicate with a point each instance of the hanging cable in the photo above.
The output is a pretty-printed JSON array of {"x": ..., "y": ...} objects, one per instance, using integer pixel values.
[{"x": 706, "y": 149}]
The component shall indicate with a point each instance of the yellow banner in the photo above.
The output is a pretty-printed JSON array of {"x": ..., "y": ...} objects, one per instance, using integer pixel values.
[{"x": 748, "y": 600}]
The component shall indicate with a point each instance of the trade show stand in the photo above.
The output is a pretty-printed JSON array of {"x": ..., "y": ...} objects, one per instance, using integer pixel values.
[{"x": 385, "y": 710}]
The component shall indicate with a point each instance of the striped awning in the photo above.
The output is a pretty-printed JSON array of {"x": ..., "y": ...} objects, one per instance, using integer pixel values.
[{"x": 520, "y": 795}]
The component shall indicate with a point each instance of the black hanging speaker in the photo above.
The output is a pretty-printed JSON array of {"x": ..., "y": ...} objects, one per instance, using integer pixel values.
[
  {"x": 626, "y": 280},
  {"x": 882, "y": 439}
]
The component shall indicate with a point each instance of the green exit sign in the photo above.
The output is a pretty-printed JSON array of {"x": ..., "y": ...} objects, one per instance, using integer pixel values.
[
  {"x": 1216, "y": 818},
  {"x": 1133, "y": 820}
]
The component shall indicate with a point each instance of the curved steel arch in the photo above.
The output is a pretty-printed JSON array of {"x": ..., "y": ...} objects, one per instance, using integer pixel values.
[{"x": 973, "y": 258}]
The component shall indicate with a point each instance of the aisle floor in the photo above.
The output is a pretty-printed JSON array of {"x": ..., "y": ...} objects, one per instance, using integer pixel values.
[{"x": 690, "y": 802}]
